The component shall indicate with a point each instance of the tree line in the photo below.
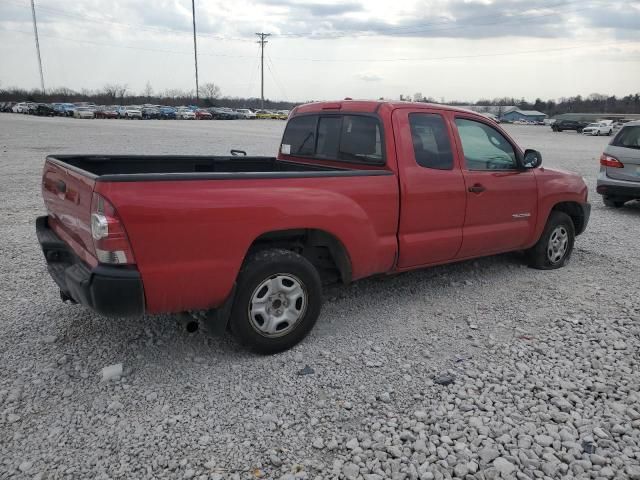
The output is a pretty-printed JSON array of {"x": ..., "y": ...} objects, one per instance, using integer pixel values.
[
  {"x": 210, "y": 96},
  {"x": 594, "y": 103},
  {"x": 120, "y": 94}
]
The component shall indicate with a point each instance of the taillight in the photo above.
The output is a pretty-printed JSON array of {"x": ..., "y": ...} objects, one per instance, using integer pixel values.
[
  {"x": 609, "y": 161},
  {"x": 109, "y": 237}
]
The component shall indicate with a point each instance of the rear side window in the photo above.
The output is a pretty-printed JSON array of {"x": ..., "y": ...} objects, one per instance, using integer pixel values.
[
  {"x": 628, "y": 137},
  {"x": 361, "y": 139},
  {"x": 300, "y": 136},
  {"x": 349, "y": 138},
  {"x": 431, "y": 143}
]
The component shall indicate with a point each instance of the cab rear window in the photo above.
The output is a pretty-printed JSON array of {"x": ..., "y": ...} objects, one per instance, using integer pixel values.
[{"x": 339, "y": 137}]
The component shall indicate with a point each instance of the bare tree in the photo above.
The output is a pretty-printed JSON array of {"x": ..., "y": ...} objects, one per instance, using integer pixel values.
[
  {"x": 122, "y": 91},
  {"x": 111, "y": 90},
  {"x": 148, "y": 90},
  {"x": 209, "y": 91}
]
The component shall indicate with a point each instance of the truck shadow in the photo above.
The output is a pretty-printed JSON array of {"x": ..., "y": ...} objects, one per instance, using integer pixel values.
[{"x": 166, "y": 335}]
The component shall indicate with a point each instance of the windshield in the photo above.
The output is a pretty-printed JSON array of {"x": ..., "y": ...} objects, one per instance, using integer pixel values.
[
  {"x": 593, "y": 125},
  {"x": 628, "y": 137}
]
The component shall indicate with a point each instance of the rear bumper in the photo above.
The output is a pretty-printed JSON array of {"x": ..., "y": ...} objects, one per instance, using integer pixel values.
[
  {"x": 619, "y": 191},
  {"x": 110, "y": 291},
  {"x": 612, "y": 187}
]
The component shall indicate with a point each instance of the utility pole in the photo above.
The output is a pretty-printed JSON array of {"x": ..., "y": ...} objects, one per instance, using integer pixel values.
[
  {"x": 35, "y": 31},
  {"x": 262, "y": 43},
  {"x": 195, "y": 47}
]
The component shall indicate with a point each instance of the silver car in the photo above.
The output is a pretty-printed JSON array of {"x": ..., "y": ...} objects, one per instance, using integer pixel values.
[{"x": 619, "y": 177}]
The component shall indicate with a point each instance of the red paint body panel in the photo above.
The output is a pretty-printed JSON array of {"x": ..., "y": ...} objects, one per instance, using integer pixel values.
[
  {"x": 433, "y": 202},
  {"x": 190, "y": 237}
]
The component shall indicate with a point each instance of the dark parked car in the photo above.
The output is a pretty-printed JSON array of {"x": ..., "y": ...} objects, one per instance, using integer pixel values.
[
  {"x": 222, "y": 113},
  {"x": 64, "y": 109},
  {"x": 561, "y": 125},
  {"x": 31, "y": 108},
  {"x": 150, "y": 113},
  {"x": 167, "y": 113},
  {"x": 45, "y": 110}
]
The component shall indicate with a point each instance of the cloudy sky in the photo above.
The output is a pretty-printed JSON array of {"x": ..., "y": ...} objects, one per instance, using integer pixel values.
[{"x": 451, "y": 49}]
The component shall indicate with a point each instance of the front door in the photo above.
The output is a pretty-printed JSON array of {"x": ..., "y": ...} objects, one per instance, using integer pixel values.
[
  {"x": 501, "y": 197},
  {"x": 432, "y": 188}
]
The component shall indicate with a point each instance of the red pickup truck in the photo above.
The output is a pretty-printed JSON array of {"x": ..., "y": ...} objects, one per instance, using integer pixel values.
[{"x": 358, "y": 188}]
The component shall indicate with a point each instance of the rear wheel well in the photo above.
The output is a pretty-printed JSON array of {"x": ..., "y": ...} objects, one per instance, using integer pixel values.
[
  {"x": 574, "y": 210},
  {"x": 321, "y": 248}
]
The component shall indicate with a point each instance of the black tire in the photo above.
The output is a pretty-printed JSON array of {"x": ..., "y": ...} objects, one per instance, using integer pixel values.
[
  {"x": 613, "y": 202},
  {"x": 258, "y": 268},
  {"x": 609, "y": 133},
  {"x": 537, "y": 255}
]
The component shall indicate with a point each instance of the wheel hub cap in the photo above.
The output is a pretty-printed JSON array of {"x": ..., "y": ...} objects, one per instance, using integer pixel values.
[
  {"x": 277, "y": 305},
  {"x": 558, "y": 244}
]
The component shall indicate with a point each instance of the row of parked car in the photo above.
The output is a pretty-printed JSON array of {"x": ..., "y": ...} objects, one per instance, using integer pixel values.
[
  {"x": 601, "y": 127},
  {"x": 141, "y": 112}
]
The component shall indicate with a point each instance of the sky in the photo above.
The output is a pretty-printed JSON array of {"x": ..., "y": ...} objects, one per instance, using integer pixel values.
[{"x": 320, "y": 50}]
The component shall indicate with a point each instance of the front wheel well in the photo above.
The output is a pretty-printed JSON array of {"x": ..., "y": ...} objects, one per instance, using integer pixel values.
[
  {"x": 322, "y": 249},
  {"x": 574, "y": 210}
]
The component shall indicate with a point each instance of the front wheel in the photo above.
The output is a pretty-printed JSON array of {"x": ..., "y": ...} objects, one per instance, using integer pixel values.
[
  {"x": 278, "y": 300},
  {"x": 555, "y": 245},
  {"x": 609, "y": 133}
]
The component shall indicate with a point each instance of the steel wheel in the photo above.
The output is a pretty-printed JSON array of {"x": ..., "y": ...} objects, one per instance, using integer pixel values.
[
  {"x": 558, "y": 243},
  {"x": 277, "y": 305}
]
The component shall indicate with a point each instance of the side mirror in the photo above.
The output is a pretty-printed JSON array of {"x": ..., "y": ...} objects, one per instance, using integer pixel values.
[{"x": 532, "y": 159}]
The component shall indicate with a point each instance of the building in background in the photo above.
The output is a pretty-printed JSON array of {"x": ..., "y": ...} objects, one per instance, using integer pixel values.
[{"x": 523, "y": 116}]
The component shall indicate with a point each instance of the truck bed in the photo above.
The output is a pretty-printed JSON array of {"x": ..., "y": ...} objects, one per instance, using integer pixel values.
[{"x": 114, "y": 168}]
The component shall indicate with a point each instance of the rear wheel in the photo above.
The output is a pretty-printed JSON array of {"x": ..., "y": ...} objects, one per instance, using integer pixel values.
[
  {"x": 612, "y": 202},
  {"x": 609, "y": 133},
  {"x": 278, "y": 300},
  {"x": 555, "y": 245}
]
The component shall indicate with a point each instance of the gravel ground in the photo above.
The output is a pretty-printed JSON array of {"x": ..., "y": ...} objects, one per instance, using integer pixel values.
[{"x": 480, "y": 370}]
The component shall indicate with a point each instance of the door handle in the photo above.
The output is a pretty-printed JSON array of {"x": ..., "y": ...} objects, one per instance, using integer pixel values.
[{"x": 477, "y": 188}]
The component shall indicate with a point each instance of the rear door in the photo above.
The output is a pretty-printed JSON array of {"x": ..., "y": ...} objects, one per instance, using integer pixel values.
[
  {"x": 501, "y": 199},
  {"x": 433, "y": 198},
  {"x": 67, "y": 196},
  {"x": 626, "y": 148}
]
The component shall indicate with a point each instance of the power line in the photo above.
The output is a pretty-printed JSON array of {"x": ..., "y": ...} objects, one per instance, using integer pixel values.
[
  {"x": 35, "y": 32},
  {"x": 336, "y": 60},
  {"x": 262, "y": 42},
  {"x": 275, "y": 78}
]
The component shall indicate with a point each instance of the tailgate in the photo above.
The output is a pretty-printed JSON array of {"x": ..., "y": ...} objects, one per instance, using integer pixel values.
[{"x": 67, "y": 194}]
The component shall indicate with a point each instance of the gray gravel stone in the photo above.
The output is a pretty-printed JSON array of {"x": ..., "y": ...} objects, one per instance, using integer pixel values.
[
  {"x": 539, "y": 375},
  {"x": 504, "y": 466}
]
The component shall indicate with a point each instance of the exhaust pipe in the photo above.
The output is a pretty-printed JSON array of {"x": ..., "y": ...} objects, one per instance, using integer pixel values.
[{"x": 189, "y": 322}]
